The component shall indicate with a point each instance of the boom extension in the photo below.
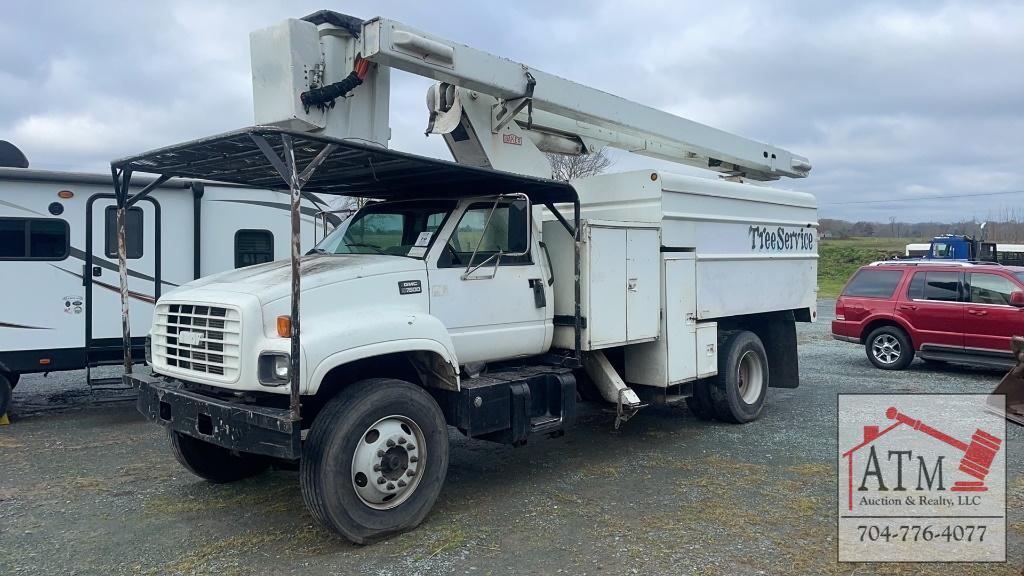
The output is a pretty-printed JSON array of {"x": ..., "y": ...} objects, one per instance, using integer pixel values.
[{"x": 605, "y": 118}]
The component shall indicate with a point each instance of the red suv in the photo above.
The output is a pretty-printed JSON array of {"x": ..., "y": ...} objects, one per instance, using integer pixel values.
[{"x": 943, "y": 311}]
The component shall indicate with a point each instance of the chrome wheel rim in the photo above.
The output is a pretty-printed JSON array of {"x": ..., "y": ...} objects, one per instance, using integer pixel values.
[
  {"x": 388, "y": 462},
  {"x": 886, "y": 349},
  {"x": 750, "y": 377}
]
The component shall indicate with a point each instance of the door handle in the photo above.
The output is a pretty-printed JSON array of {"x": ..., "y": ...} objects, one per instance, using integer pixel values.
[
  {"x": 539, "y": 298},
  {"x": 908, "y": 307},
  {"x": 977, "y": 312}
]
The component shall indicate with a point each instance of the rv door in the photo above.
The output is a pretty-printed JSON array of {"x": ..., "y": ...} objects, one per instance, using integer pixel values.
[{"x": 101, "y": 278}]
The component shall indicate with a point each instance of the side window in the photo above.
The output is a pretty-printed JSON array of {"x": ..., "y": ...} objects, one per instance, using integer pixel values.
[
  {"x": 991, "y": 289},
  {"x": 873, "y": 283},
  {"x": 133, "y": 233},
  {"x": 34, "y": 239},
  {"x": 916, "y": 289},
  {"x": 13, "y": 238},
  {"x": 505, "y": 232},
  {"x": 941, "y": 250},
  {"x": 434, "y": 221},
  {"x": 253, "y": 247},
  {"x": 942, "y": 286}
]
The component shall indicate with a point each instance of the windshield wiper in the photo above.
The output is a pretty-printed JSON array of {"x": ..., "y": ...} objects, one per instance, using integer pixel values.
[
  {"x": 371, "y": 246},
  {"x": 316, "y": 251}
]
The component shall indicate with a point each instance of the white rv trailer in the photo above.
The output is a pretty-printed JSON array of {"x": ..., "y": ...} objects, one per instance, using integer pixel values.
[{"x": 59, "y": 294}]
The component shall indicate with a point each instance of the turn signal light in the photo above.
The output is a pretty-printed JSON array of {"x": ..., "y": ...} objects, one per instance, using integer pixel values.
[
  {"x": 65, "y": 194},
  {"x": 284, "y": 326},
  {"x": 44, "y": 361}
]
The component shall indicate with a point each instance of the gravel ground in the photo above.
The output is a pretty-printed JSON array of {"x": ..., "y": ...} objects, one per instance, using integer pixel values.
[{"x": 87, "y": 487}]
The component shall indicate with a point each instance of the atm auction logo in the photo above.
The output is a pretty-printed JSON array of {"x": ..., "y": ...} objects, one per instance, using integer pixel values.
[{"x": 922, "y": 478}]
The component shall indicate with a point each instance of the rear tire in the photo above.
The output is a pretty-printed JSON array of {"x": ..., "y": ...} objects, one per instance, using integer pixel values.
[
  {"x": 375, "y": 459},
  {"x": 889, "y": 348},
  {"x": 740, "y": 388},
  {"x": 13, "y": 378},
  {"x": 6, "y": 391},
  {"x": 214, "y": 463}
]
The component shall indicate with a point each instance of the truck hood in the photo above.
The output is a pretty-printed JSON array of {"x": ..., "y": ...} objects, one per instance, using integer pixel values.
[{"x": 272, "y": 280}]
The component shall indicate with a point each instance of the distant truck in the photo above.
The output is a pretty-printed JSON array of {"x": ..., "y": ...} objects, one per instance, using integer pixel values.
[
  {"x": 961, "y": 247},
  {"x": 967, "y": 248}
]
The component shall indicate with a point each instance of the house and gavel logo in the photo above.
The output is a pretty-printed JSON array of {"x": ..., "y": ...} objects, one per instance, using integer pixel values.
[{"x": 891, "y": 470}]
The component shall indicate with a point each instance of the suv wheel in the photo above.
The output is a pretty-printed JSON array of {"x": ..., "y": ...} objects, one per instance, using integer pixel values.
[{"x": 889, "y": 348}]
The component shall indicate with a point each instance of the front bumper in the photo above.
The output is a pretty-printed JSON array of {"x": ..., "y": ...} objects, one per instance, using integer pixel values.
[{"x": 232, "y": 425}]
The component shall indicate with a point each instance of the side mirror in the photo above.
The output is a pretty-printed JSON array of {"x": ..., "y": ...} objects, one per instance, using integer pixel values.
[{"x": 1017, "y": 299}]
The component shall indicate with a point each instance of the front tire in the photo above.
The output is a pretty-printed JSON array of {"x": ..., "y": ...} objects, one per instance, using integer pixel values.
[
  {"x": 739, "y": 391},
  {"x": 889, "y": 348},
  {"x": 214, "y": 463},
  {"x": 375, "y": 459}
]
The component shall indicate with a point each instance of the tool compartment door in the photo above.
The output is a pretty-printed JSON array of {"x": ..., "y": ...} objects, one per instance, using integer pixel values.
[
  {"x": 606, "y": 306},
  {"x": 643, "y": 284}
]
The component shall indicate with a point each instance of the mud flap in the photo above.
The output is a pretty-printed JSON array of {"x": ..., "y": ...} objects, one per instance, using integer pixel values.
[{"x": 1012, "y": 385}]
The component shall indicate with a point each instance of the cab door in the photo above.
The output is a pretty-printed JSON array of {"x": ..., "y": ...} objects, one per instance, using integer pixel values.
[
  {"x": 991, "y": 322},
  {"x": 493, "y": 308}
]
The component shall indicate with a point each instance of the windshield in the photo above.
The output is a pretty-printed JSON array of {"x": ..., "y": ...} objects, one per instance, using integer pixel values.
[
  {"x": 1020, "y": 276},
  {"x": 394, "y": 228}
]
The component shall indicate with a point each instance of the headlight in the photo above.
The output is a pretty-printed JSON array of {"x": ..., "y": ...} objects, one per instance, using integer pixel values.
[{"x": 274, "y": 369}]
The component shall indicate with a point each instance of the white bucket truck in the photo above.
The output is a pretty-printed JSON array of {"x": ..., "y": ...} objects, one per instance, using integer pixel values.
[{"x": 478, "y": 294}]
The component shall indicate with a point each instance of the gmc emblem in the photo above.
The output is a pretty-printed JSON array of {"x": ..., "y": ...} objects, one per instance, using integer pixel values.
[{"x": 512, "y": 139}]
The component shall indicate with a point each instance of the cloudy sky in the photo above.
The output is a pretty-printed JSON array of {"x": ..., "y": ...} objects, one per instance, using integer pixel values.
[{"x": 903, "y": 108}]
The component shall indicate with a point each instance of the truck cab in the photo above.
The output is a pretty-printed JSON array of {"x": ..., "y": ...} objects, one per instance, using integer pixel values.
[
  {"x": 961, "y": 247},
  {"x": 462, "y": 280}
]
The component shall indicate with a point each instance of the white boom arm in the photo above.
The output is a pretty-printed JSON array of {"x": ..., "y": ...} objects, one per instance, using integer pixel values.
[
  {"x": 629, "y": 125},
  {"x": 493, "y": 111}
]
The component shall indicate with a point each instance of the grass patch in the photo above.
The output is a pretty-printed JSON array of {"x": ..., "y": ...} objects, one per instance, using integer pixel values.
[{"x": 839, "y": 259}]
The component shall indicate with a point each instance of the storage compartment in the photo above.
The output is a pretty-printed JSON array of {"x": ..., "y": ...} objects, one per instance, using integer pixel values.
[
  {"x": 681, "y": 354},
  {"x": 620, "y": 282},
  {"x": 707, "y": 349}
]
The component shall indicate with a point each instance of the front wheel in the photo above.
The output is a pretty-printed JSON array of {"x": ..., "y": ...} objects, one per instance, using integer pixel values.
[
  {"x": 375, "y": 459},
  {"x": 739, "y": 391},
  {"x": 214, "y": 463},
  {"x": 889, "y": 348}
]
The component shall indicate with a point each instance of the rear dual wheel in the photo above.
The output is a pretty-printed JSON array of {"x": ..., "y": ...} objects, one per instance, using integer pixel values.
[
  {"x": 375, "y": 459},
  {"x": 737, "y": 394}
]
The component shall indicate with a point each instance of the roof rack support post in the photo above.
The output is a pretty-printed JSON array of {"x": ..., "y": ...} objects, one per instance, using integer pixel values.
[
  {"x": 295, "y": 186},
  {"x": 122, "y": 183},
  {"x": 295, "y": 179}
]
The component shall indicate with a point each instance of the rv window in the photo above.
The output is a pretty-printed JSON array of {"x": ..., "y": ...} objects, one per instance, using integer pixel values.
[
  {"x": 132, "y": 232},
  {"x": 253, "y": 247},
  {"x": 33, "y": 239}
]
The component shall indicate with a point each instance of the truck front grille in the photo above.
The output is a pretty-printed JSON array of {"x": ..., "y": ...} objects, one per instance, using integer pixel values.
[{"x": 197, "y": 339}]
